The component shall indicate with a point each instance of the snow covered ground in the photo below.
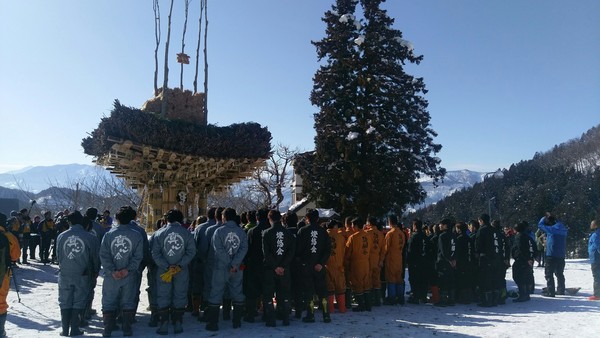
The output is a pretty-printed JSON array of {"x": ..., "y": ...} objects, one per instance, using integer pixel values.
[{"x": 38, "y": 315}]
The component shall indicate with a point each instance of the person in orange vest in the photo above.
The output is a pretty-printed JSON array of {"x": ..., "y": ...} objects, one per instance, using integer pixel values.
[
  {"x": 10, "y": 251},
  {"x": 376, "y": 259},
  {"x": 47, "y": 230},
  {"x": 358, "y": 250},
  {"x": 25, "y": 233},
  {"x": 336, "y": 278},
  {"x": 394, "y": 268}
]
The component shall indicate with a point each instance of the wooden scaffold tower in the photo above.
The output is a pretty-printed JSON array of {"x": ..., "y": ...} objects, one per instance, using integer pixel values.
[{"x": 168, "y": 152}]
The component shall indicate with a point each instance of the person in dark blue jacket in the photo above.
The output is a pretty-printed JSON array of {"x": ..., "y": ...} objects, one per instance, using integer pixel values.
[
  {"x": 556, "y": 247},
  {"x": 594, "y": 251}
]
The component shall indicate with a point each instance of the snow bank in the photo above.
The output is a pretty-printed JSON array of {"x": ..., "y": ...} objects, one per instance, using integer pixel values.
[{"x": 38, "y": 314}]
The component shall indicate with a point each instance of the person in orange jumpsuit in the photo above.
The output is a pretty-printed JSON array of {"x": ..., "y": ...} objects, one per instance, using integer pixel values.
[
  {"x": 376, "y": 259},
  {"x": 347, "y": 231},
  {"x": 358, "y": 249},
  {"x": 336, "y": 278},
  {"x": 394, "y": 268},
  {"x": 10, "y": 251}
]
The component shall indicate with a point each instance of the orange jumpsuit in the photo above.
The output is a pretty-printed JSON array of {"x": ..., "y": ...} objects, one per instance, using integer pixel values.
[
  {"x": 347, "y": 232},
  {"x": 376, "y": 257},
  {"x": 14, "y": 251},
  {"x": 357, "y": 255},
  {"x": 336, "y": 280},
  {"x": 394, "y": 244}
]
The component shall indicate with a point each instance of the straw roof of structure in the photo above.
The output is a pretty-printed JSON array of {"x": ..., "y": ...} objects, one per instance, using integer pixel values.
[{"x": 237, "y": 141}]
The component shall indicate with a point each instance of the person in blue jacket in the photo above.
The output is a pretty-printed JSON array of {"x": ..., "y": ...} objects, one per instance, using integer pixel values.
[
  {"x": 594, "y": 251},
  {"x": 556, "y": 247}
]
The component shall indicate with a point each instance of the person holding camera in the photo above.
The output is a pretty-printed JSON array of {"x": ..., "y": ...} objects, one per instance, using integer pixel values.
[{"x": 556, "y": 247}]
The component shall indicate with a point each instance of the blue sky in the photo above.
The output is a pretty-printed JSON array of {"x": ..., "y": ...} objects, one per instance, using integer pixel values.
[{"x": 506, "y": 79}]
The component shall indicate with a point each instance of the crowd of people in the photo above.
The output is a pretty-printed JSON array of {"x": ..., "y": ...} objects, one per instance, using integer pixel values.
[{"x": 242, "y": 266}]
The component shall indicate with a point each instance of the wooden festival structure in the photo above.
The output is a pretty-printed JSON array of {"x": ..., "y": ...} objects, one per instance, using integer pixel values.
[
  {"x": 174, "y": 163},
  {"x": 166, "y": 150}
]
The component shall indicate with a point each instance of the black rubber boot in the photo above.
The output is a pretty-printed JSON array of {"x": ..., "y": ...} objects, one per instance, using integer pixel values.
[
  {"x": 367, "y": 300},
  {"x": 65, "y": 318},
  {"x": 110, "y": 321},
  {"x": 270, "y": 314},
  {"x": 238, "y": 312},
  {"x": 212, "y": 317},
  {"x": 349, "y": 297},
  {"x": 298, "y": 308},
  {"x": 325, "y": 308},
  {"x": 75, "y": 321},
  {"x": 452, "y": 297},
  {"x": 376, "y": 297},
  {"x": 286, "y": 312},
  {"x": 486, "y": 299},
  {"x": 523, "y": 294},
  {"x": 163, "y": 322},
  {"x": 310, "y": 312},
  {"x": 495, "y": 297},
  {"x": 250, "y": 310},
  {"x": 177, "y": 318},
  {"x": 153, "y": 317},
  {"x": 226, "y": 309},
  {"x": 360, "y": 301},
  {"x": 400, "y": 291},
  {"x": 127, "y": 322}
]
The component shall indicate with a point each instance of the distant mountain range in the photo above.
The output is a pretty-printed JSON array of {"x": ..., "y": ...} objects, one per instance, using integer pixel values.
[
  {"x": 453, "y": 181},
  {"x": 39, "y": 178}
]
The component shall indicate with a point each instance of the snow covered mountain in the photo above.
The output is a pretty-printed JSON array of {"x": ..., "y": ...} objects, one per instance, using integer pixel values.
[
  {"x": 453, "y": 181},
  {"x": 36, "y": 179},
  {"x": 39, "y": 178}
]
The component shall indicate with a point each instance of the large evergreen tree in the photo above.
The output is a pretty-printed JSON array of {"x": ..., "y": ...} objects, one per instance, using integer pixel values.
[{"x": 373, "y": 138}]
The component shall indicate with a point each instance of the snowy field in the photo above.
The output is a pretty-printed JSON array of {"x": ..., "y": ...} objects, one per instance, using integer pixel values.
[{"x": 38, "y": 314}]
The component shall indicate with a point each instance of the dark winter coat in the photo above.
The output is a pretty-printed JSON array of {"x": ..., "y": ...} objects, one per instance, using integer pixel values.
[
  {"x": 279, "y": 247},
  {"x": 313, "y": 245}
]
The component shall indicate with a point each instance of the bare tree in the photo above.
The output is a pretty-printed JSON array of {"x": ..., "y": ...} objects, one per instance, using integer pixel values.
[
  {"x": 163, "y": 108},
  {"x": 205, "y": 59},
  {"x": 238, "y": 197},
  {"x": 187, "y": 6},
  {"x": 198, "y": 46},
  {"x": 157, "y": 34},
  {"x": 99, "y": 191},
  {"x": 271, "y": 179}
]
